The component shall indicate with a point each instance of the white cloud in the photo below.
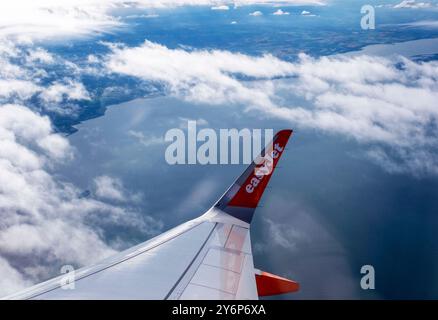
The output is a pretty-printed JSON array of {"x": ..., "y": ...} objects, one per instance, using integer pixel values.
[
  {"x": 27, "y": 20},
  {"x": 71, "y": 90},
  {"x": 178, "y": 66},
  {"x": 18, "y": 124},
  {"x": 200, "y": 76},
  {"x": 410, "y": 160},
  {"x": 146, "y": 141},
  {"x": 221, "y": 7},
  {"x": 201, "y": 122},
  {"x": 40, "y": 55},
  {"x": 370, "y": 99},
  {"x": 109, "y": 188},
  {"x": 431, "y": 24},
  {"x": 307, "y": 14},
  {"x": 256, "y": 13},
  {"x": 280, "y": 12},
  {"x": 276, "y": 2},
  {"x": 11, "y": 280},
  {"x": 412, "y": 4},
  {"x": 284, "y": 236},
  {"x": 22, "y": 89},
  {"x": 27, "y": 72},
  {"x": 60, "y": 225},
  {"x": 112, "y": 189},
  {"x": 91, "y": 58},
  {"x": 45, "y": 221},
  {"x": 145, "y": 16}
]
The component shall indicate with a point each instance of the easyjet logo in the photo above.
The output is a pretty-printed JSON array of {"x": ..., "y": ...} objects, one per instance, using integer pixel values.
[{"x": 265, "y": 169}]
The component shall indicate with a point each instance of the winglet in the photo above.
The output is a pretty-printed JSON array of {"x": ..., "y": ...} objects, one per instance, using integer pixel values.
[
  {"x": 269, "y": 284},
  {"x": 242, "y": 198}
]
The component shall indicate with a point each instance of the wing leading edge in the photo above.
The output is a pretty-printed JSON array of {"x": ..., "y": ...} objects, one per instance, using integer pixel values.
[{"x": 209, "y": 257}]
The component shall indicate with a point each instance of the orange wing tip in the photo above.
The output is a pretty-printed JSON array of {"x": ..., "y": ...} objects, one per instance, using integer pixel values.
[{"x": 270, "y": 284}]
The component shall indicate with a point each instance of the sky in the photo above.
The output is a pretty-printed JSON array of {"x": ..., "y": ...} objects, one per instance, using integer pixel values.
[{"x": 367, "y": 116}]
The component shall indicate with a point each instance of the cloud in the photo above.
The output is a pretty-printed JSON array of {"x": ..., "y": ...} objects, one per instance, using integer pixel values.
[
  {"x": 286, "y": 231},
  {"x": 11, "y": 280},
  {"x": 280, "y": 12},
  {"x": 144, "y": 140},
  {"x": 28, "y": 20},
  {"x": 431, "y": 24},
  {"x": 109, "y": 188},
  {"x": 221, "y": 7},
  {"x": 283, "y": 236},
  {"x": 411, "y": 160},
  {"x": 16, "y": 82},
  {"x": 201, "y": 122},
  {"x": 193, "y": 201},
  {"x": 306, "y": 242},
  {"x": 374, "y": 100},
  {"x": 45, "y": 221},
  {"x": 145, "y": 16},
  {"x": 70, "y": 90},
  {"x": 208, "y": 79},
  {"x": 304, "y": 12},
  {"x": 412, "y": 4},
  {"x": 256, "y": 13},
  {"x": 40, "y": 55},
  {"x": 91, "y": 58},
  {"x": 307, "y": 13},
  {"x": 34, "y": 77},
  {"x": 276, "y": 2},
  {"x": 20, "y": 89}
]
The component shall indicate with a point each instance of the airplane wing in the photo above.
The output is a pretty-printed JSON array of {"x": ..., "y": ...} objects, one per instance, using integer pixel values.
[{"x": 209, "y": 257}]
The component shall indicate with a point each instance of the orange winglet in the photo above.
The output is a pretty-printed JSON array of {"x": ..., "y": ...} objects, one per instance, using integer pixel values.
[{"x": 269, "y": 284}]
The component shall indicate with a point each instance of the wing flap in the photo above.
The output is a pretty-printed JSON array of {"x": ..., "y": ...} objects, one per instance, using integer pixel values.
[{"x": 225, "y": 270}]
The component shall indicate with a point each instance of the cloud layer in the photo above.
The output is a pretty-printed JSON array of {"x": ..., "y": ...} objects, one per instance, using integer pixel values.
[
  {"x": 32, "y": 76},
  {"x": 27, "y": 20},
  {"x": 47, "y": 222},
  {"x": 386, "y": 104},
  {"x": 412, "y": 4}
]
